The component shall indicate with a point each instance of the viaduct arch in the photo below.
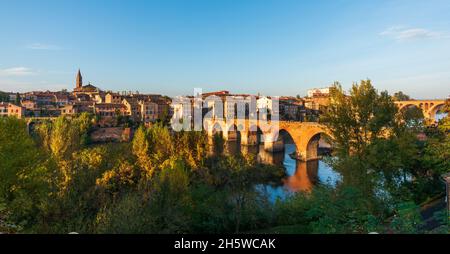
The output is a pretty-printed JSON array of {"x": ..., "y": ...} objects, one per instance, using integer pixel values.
[{"x": 428, "y": 107}]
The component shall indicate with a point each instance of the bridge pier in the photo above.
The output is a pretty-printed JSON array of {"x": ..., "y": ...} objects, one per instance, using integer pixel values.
[
  {"x": 308, "y": 150},
  {"x": 225, "y": 135},
  {"x": 29, "y": 124},
  {"x": 277, "y": 146},
  {"x": 249, "y": 139},
  {"x": 230, "y": 136}
]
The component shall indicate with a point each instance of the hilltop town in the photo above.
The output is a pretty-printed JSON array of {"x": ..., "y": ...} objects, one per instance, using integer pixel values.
[{"x": 113, "y": 107}]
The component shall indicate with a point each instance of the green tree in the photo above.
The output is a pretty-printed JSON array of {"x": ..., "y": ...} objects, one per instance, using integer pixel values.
[
  {"x": 24, "y": 174},
  {"x": 4, "y": 97},
  {"x": 400, "y": 96},
  {"x": 73, "y": 190},
  {"x": 123, "y": 177},
  {"x": 407, "y": 219},
  {"x": 165, "y": 118},
  {"x": 193, "y": 147},
  {"x": 360, "y": 118},
  {"x": 68, "y": 135},
  {"x": 161, "y": 205},
  {"x": 17, "y": 153},
  {"x": 413, "y": 119},
  {"x": 170, "y": 198},
  {"x": 376, "y": 148},
  {"x": 162, "y": 144},
  {"x": 127, "y": 215},
  {"x": 18, "y": 99},
  {"x": 141, "y": 149},
  {"x": 331, "y": 211},
  {"x": 437, "y": 155}
]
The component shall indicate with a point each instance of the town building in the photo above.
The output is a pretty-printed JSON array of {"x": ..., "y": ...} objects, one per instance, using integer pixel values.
[
  {"x": 317, "y": 103},
  {"x": 133, "y": 109},
  {"x": 31, "y": 108},
  {"x": 29, "y": 105},
  {"x": 149, "y": 111},
  {"x": 114, "y": 98},
  {"x": 292, "y": 110},
  {"x": 219, "y": 93},
  {"x": 82, "y": 97},
  {"x": 183, "y": 108},
  {"x": 3, "y": 109},
  {"x": 13, "y": 97},
  {"x": 77, "y": 107},
  {"x": 40, "y": 98},
  {"x": 61, "y": 98},
  {"x": 16, "y": 111},
  {"x": 69, "y": 110},
  {"x": 109, "y": 109},
  {"x": 164, "y": 109},
  {"x": 264, "y": 103},
  {"x": 99, "y": 98},
  {"x": 319, "y": 92}
]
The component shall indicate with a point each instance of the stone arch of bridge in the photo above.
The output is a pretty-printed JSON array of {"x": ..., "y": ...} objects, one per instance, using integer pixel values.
[
  {"x": 306, "y": 138},
  {"x": 434, "y": 109},
  {"x": 252, "y": 135},
  {"x": 216, "y": 128},
  {"x": 232, "y": 132},
  {"x": 409, "y": 104}
]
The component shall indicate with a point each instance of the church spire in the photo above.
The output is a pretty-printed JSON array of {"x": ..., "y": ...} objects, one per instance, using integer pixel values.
[{"x": 79, "y": 79}]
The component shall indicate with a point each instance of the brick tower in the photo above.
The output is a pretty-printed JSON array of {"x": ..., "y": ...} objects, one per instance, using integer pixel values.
[{"x": 79, "y": 80}]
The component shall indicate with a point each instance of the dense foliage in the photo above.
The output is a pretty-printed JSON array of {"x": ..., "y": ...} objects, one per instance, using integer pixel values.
[
  {"x": 378, "y": 150},
  {"x": 55, "y": 180}
]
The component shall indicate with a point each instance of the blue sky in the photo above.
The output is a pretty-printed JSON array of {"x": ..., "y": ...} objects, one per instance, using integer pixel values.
[{"x": 248, "y": 46}]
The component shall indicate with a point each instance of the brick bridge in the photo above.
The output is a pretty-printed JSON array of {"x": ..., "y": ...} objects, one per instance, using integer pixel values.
[
  {"x": 31, "y": 121},
  {"x": 306, "y": 135},
  {"x": 428, "y": 107}
]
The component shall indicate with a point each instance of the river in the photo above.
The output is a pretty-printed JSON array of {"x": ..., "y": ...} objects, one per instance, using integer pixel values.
[{"x": 301, "y": 176}]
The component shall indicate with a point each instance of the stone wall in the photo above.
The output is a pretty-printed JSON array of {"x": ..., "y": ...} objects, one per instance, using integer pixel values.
[{"x": 111, "y": 134}]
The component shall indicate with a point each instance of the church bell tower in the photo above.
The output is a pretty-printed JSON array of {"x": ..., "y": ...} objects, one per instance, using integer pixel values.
[{"x": 79, "y": 80}]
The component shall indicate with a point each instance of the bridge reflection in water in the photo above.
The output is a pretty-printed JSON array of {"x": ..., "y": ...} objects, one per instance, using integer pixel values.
[{"x": 302, "y": 176}]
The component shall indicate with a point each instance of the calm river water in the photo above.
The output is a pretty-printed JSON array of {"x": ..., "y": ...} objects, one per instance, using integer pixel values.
[{"x": 301, "y": 176}]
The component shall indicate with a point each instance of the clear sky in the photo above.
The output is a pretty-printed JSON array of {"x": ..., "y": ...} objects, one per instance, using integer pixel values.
[{"x": 247, "y": 46}]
